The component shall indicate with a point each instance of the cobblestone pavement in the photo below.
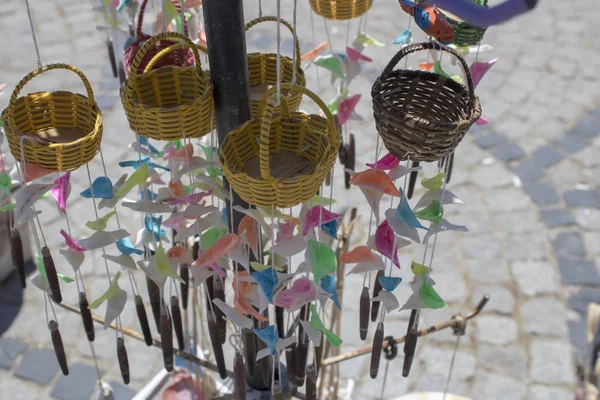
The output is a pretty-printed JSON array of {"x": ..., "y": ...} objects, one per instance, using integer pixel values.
[{"x": 529, "y": 180}]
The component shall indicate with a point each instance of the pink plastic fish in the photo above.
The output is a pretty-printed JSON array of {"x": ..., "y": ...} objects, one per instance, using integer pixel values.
[
  {"x": 286, "y": 230},
  {"x": 178, "y": 189},
  {"x": 384, "y": 242},
  {"x": 221, "y": 247},
  {"x": 71, "y": 243},
  {"x": 60, "y": 193},
  {"x": 356, "y": 56},
  {"x": 190, "y": 198},
  {"x": 481, "y": 121},
  {"x": 249, "y": 227},
  {"x": 347, "y": 107},
  {"x": 177, "y": 254},
  {"x": 479, "y": 69},
  {"x": 317, "y": 216},
  {"x": 183, "y": 154},
  {"x": 359, "y": 254},
  {"x": 175, "y": 222},
  {"x": 389, "y": 161},
  {"x": 183, "y": 387},
  {"x": 2, "y": 86},
  {"x": 302, "y": 290},
  {"x": 33, "y": 171},
  {"x": 375, "y": 179}
]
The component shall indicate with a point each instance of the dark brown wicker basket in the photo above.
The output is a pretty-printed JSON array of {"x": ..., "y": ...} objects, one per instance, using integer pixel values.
[{"x": 420, "y": 115}]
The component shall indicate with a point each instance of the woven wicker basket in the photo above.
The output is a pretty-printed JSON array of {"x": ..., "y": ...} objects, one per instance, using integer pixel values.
[
  {"x": 59, "y": 131},
  {"x": 464, "y": 33},
  {"x": 262, "y": 69},
  {"x": 341, "y": 9},
  {"x": 423, "y": 116},
  {"x": 181, "y": 57},
  {"x": 171, "y": 102},
  {"x": 305, "y": 145}
]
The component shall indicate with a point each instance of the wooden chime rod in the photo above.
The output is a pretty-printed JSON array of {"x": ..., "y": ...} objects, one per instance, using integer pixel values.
[
  {"x": 136, "y": 335},
  {"x": 455, "y": 322}
]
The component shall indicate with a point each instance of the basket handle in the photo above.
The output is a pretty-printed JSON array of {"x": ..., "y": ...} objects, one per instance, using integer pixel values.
[
  {"x": 267, "y": 108},
  {"x": 259, "y": 20},
  {"x": 176, "y": 46},
  {"x": 138, "y": 31},
  {"x": 412, "y": 48},
  {"x": 36, "y": 72},
  {"x": 151, "y": 43}
]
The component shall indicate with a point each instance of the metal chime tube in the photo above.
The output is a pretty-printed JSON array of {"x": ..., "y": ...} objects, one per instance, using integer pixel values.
[
  {"x": 239, "y": 377},
  {"x": 213, "y": 331},
  {"x": 184, "y": 272},
  {"x": 365, "y": 311},
  {"x": 86, "y": 317},
  {"x": 123, "y": 360},
  {"x": 376, "y": 289},
  {"x": 377, "y": 349},
  {"x": 143, "y": 318},
  {"x": 16, "y": 251},
  {"x": 311, "y": 382},
  {"x": 177, "y": 322},
  {"x": 59, "y": 348},
  {"x": 166, "y": 337},
  {"x": 51, "y": 275},
  {"x": 219, "y": 293}
]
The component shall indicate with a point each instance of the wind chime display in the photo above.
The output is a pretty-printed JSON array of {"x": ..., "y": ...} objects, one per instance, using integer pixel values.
[{"x": 284, "y": 259}]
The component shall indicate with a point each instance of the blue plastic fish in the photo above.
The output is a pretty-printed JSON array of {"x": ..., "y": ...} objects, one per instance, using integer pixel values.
[
  {"x": 102, "y": 188},
  {"x": 138, "y": 163},
  {"x": 152, "y": 224},
  {"x": 330, "y": 228},
  {"x": 404, "y": 37},
  {"x": 225, "y": 216},
  {"x": 148, "y": 194},
  {"x": 123, "y": 4},
  {"x": 406, "y": 214},
  {"x": 328, "y": 285},
  {"x": 126, "y": 247},
  {"x": 268, "y": 281},
  {"x": 145, "y": 142},
  {"x": 269, "y": 336},
  {"x": 389, "y": 283},
  {"x": 128, "y": 42}
]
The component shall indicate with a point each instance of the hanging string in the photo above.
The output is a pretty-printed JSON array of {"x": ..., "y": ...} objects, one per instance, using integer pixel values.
[
  {"x": 35, "y": 43},
  {"x": 448, "y": 379},
  {"x": 295, "y": 44},
  {"x": 365, "y": 282},
  {"x": 314, "y": 40},
  {"x": 279, "y": 50}
]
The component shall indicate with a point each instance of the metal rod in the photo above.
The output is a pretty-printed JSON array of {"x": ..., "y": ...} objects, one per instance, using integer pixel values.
[{"x": 452, "y": 323}]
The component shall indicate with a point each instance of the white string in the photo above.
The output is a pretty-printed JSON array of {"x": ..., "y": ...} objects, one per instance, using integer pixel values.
[
  {"x": 279, "y": 51},
  {"x": 35, "y": 43},
  {"x": 295, "y": 44},
  {"x": 365, "y": 283},
  {"x": 314, "y": 40},
  {"x": 448, "y": 379}
]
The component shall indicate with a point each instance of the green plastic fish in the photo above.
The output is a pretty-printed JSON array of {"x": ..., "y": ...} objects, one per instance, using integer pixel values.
[
  {"x": 213, "y": 171},
  {"x": 8, "y": 207},
  {"x": 111, "y": 292},
  {"x": 322, "y": 259},
  {"x": 434, "y": 183},
  {"x": 163, "y": 265},
  {"x": 258, "y": 267},
  {"x": 317, "y": 324},
  {"x": 367, "y": 40},
  {"x": 139, "y": 177},
  {"x": 433, "y": 212},
  {"x": 331, "y": 63},
  {"x": 334, "y": 104},
  {"x": 5, "y": 184},
  {"x": 430, "y": 297},
  {"x": 42, "y": 270},
  {"x": 437, "y": 68},
  {"x": 101, "y": 222},
  {"x": 210, "y": 237},
  {"x": 418, "y": 269},
  {"x": 319, "y": 201}
]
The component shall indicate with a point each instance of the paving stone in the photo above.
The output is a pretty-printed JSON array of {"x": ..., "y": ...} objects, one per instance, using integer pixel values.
[
  {"x": 489, "y": 176},
  {"x": 551, "y": 362},
  {"x": 480, "y": 247},
  {"x": 512, "y": 128},
  {"x": 543, "y": 193},
  {"x": 525, "y": 247},
  {"x": 572, "y": 143},
  {"x": 508, "y": 152},
  {"x": 501, "y": 299},
  {"x": 539, "y": 392},
  {"x": 121, "y": 392},
  {"x": 488, "y": 271},
  {"x": 9, "y": 350},
  {"x": 578, "y": 334},
  {"x": 79, "y": 384},
  {"x": 557, "y": 217},
  {"x": 496, "y": 330},
  {"x": 106, "y": 102},
  {"x": 580, "y": 300},
  {"x": 578, "y": 272},
  {"x": 546, "y": 156},
  {"x": 583, "y": 198},
  {"x": 504, "y": 360},
  {"x": 489, "y": 140},
  {"x": 436, "y": 360},
  {"x": 534, "y": 278},
  {"x": 443, "y": 314},
  {"x": 528, "y": 171},
  {"x": 588, "y": 218},
  {"x": 569, "y": 244},
  {"x": 544, "y": 317},
  {"x": 450, "y": 284},
  {"x": 437, "y": 383},
  {"x": 497, "y": 387},
  {"x": 587, "y": 127},
  {"x": 39, "y": 366},
  {"x": 15, "y": 389},
  {"x": 508, "y": 199}
]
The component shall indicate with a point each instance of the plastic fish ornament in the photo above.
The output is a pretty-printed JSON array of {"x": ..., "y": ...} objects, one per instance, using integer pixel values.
[
  {"x": 363, "y": 40},
  {"x": 115, "y": 298},
  {"x": 430, "y": 20},
  {"x": 405, "y": 37},
  {"x": 479, "y": 69},
  {"x": 332, "y": 63},
  {"x": 311, "y": 55}
]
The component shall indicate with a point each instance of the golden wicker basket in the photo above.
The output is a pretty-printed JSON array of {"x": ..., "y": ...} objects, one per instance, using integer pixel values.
[
  {"x": 341, "y": 9},
  {"x": 171, "y": 102},
  {"x": 280, "y": 160},
  {"x": 59, "y": 131},
  {"x": 262, "y": 70}
]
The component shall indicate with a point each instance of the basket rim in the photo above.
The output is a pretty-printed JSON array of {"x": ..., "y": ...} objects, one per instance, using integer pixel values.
[{"x": 475, "y": 112}]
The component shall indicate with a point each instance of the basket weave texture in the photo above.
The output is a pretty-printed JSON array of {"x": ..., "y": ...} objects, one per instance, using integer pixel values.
[
  {"x": 306, "y": 136},
  {"x": 171, "y": 102},
  {"x": 466, "y": 34},
  {"x": 420, "y": 115},
  {"x": 262, "y": 68},
  {"x": 340, "y": 9},
  {"x": 31, "y": 119},
  {"x": 181, "y": 57}
]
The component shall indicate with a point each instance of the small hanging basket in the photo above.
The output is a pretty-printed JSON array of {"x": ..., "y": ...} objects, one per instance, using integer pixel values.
[
  {"x": 280, "y": 160},
  {"x": 59, "y": 131},
  {"x": 180, "y": 57},
  {"x": 420, "y": 115},
  {"x": 341, "y": 9},
  {"x": 172, "y": 102},
  {"x": 262, "y": 71},
  {"x": 464, "y": 33}
]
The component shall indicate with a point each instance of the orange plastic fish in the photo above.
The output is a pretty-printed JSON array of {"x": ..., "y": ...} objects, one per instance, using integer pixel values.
[
  {"x": 249, "y": 226},
  {"x": 195, "y": 4},
  {"x": 184, "y": 154},
  {"x": 376, "y": 180},
  {"x": 33, "y": 171},
  {"x": 311, "y": 55},
  {"x": 358, "y": 254},
  {"x": 178, "y": 254},
  {"x": 177, "y": 188},
  {"x": 426, "y": 66},
  {"x": 201, "y": 37},
  {"x": 241, "y": 289},
  {"x": 222, "y": 246}
]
